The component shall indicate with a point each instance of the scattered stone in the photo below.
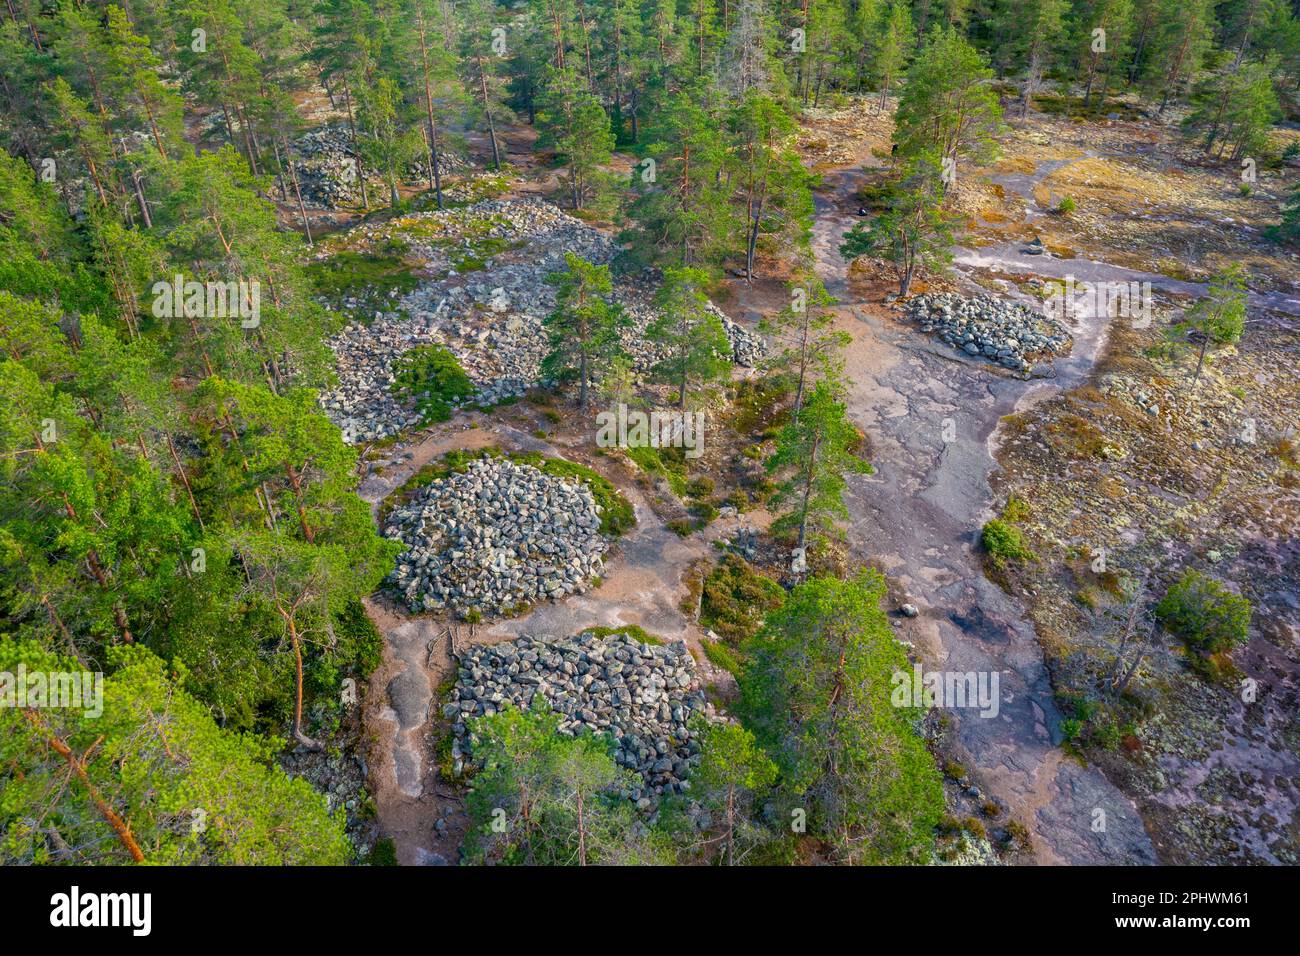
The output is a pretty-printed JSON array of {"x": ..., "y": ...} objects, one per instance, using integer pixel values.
[
  {"x": 910, "y": 610},
  {"x": 491, "y": 318},
  {"x": 325, "y": 162}
]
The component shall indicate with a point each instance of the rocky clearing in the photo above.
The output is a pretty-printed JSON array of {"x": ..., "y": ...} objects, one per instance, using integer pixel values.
[{"x": 957, "y": 417}]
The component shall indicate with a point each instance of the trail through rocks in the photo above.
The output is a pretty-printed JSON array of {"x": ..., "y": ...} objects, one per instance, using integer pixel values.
[
  {"x": 643, "y": 584},
  {"x": 931, "y": 417}
]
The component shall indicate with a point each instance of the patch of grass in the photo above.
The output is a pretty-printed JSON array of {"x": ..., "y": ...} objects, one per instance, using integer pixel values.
[
  {"x": 1076, "y": 436},
  {"x": 705, "y": 511},
  {"x": 682, "y": 527},
  {"x": 370, "y": 278},
  {"x": 431, "y": 377},
  {"x": 759, "y": 405},
  {"x": 700, "y": 486},
  {"x": 720, "y": 655},
  {"x": 666, "y": 463},
  {"x": 476, "y": 257},
  {"x": 634, "y": 631},
  {"x": 737, "y": 598},
  {"x": 1017, "y": 837},
  {"x": 383, "y": 853}
]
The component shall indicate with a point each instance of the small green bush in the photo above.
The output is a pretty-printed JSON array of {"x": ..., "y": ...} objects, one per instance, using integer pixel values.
[
  {"x": 1071, "y": 727},
  {"x": 431, "y": 376},
  {"x": 360, "y": 645},
  {"x": 383, "y": 853},
  {"x": 1205, "y": 614},
  {"x": 700, "y": 486},
  {"x": 681, "y": 527},
  {"x": 1016, "y": 509},
  {"x": 1066, "y": 206},
  {"x": 1004, "y": 542},
  {"x": 661, "y": 463},
  {"x": 737, "y": 599}
]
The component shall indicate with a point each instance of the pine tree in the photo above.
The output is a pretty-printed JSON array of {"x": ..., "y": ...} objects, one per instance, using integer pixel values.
[
  {"x": 542, "y": 799},
  {"x": 914, "y": 231},
  {"x": 685, "y": 217},
  {"x": 775, "y": 189},
  {"x": 1219, "y": 318},
  {"x": 948, "y": 106},
  {"x": 817, "y": 697},
  {"x": 815, "y": 453},
  {"x": 811, "y": 348},
  {"x": 699, "y": 354},
  {"x": 732, "y": 775},
  {"x": 388, "y": 143},
  {"x": 574, "y": 124},
  {"x": 1179, "y": 44},
  {"x": 895, "y": 45},
  {"x": 1102, "y": 50},
  {"x": 583, "y": 330},
  {"x": 151, "y": 779}
]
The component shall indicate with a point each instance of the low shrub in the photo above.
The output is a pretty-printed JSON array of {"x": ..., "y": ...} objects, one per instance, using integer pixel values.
[
  {"x": 737, "y": 599},
  {"x": 1004, "y": 542},
  {"x": 1202, "y": 611},
  {"x": 431, "y": 377}
]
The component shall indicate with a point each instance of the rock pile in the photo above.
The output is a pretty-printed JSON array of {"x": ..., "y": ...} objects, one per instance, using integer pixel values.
[
  {"x": 326, "y": 165},
  {"x": 494, "y": 537},
  {"x": 642, "y": 695},
  {"x": 490, "y": 318},
  {"x": 1003, "y": 332}
]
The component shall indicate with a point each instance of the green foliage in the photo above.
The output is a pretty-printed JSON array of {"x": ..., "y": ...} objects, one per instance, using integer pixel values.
[
  {"x": 699, "y": 353},
  {"x": 732, "y": 776},
  {"x": 816, "y": 695},
  {"x": 361, "y": 646},
  {"x": 1204, "y": 613},
  {"x": 1219, "y": 318},
  {"x": 737, "y": 598},
  {"x": 666, "y": 463},
  {"x": 370, "y": 278},
  {"x": 948, "y": 109},
  {"x": 720, "y": 655},
  {"x": 584, "y": 329},
  {"x": 575, "y": 125},
  {"x": 383, "y": 853},
  {"x": 161, "y": 765},
  {"x": 544, "y": 799},
  {"x": 815, "y": 453},
  {"x": 1004, "y": 542},
  {"x": 915, "y": 230},
  {"x": 430, "y": 376}
]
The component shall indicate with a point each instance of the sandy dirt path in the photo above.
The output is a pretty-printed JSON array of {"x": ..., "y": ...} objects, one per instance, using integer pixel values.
[{"x": 644, "y": 584}]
